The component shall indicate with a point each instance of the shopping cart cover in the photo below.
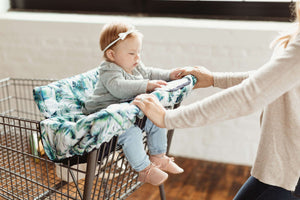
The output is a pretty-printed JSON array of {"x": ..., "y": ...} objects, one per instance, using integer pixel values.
[
  {"x": 67, "y": 131},
  {"x": 67, "y": 95}
]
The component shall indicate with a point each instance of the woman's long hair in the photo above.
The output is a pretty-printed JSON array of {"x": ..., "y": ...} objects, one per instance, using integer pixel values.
[{"x": 285, "y": 39}]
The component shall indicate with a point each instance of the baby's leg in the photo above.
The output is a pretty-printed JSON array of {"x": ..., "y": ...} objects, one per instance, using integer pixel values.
[
  {"x": 156, "y": 138},
  {"x": 157, "y": 144},
  {"x": 133, "y": 148}
]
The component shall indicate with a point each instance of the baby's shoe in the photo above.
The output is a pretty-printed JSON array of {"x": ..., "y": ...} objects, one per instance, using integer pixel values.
[
  {"x": 166, "y": 163},
  {"x": 152, "y": 175}
]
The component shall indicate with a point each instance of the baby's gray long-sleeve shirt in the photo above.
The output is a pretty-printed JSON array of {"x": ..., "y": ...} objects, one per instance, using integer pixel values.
[{"x": 115, "y": 85}]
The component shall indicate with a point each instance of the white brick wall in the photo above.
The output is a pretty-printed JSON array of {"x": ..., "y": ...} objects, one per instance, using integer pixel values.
[{"x": 58, "y": 46}]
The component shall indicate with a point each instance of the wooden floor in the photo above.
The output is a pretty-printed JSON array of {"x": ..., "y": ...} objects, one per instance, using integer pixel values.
[{"x": 202, "y": 180}]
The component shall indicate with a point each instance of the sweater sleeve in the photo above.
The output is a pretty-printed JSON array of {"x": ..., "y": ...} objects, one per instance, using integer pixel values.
[
  {"x": 228, "y": 79},
  {"x": 272, "y": 80}
]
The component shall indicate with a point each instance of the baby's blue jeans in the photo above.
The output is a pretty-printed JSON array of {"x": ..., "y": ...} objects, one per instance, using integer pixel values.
[{"x": 133, "y": 147}]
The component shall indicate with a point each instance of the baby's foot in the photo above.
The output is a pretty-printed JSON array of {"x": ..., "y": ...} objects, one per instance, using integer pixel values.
[
  {"x": 166, "y": 163},
  {"x": 152, "y": 175}
]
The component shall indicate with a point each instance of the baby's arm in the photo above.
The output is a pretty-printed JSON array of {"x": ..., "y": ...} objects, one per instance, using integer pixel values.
[
  {"x": 121, "y": 88},
  {"x": 152, "y": 84},
  {"x": 153, "y": 73}
]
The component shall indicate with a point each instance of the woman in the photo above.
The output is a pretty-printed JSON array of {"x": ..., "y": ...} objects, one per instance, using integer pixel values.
[{"x": 275, "y": 88}]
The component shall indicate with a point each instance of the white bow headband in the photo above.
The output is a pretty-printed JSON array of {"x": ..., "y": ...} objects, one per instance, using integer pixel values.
[{"x": 122, "y": 36}]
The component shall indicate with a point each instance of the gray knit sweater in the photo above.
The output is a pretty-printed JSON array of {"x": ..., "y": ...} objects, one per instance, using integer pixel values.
[
  {"x": 275, "y": 88},
  {"x": 115, "y": 85}
]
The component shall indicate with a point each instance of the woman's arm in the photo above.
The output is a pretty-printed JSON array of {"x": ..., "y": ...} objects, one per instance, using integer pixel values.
[
  {"x": 228, "y": 79},
  {"x": 265, "y": 85},
  {"x": 216, "y": 79}
]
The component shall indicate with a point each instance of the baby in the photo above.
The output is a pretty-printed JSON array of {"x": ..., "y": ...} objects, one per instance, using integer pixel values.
[{"x": 123, "y": 76}]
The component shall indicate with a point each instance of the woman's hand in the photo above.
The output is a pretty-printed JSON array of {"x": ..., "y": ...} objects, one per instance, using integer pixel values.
[
  {"x": 152, "y": 84},
  {"x": 203, "y": 75},
  {"x": 152, "y": 108},
  {"x": 176, "y": 73}
]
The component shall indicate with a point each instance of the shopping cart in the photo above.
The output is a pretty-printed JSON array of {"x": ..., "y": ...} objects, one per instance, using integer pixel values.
[{"x": 27, "y": 173}]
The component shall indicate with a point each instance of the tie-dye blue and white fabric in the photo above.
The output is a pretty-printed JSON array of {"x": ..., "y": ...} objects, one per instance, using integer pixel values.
[{"x": 66, "y": 131}]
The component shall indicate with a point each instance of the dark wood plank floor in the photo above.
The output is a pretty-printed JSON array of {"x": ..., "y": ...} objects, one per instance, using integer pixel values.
[{"x": 202, "y": 180}]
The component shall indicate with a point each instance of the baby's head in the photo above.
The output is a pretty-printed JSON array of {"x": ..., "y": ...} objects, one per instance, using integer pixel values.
[{"x": 121, "y": 44}]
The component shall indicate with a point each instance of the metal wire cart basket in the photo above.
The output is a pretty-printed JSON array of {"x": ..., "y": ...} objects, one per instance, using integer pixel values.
[{"x": 27, "y": 173}]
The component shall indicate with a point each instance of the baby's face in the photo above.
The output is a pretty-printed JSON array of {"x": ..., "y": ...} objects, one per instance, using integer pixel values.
[{"x": 127, "y": 53}]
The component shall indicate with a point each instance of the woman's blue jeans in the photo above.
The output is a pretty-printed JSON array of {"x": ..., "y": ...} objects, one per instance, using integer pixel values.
[
  {"x": 133, "y": 147},
  {"x": 253, "y": 189}
]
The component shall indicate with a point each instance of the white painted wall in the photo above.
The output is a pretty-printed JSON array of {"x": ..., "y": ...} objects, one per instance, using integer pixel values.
[
  {"x": 4, "y": 6},
  {"x": 57, "y": 46}
]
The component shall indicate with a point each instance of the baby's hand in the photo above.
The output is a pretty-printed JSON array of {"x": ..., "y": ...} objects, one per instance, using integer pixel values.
[{"x": 152, "y": 84}]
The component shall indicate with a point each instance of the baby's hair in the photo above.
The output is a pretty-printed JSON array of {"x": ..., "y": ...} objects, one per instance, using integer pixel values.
[{"x": 110, "y": 32}]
